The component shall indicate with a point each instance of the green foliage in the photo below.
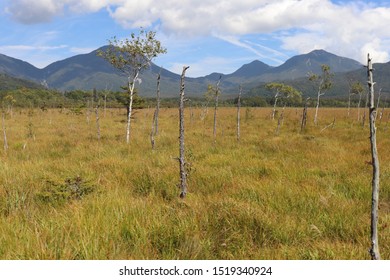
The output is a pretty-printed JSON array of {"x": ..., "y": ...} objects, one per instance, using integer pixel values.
[
  {"x": 133, "y": 54},
  {"x": 323, "y": 81},
  {"x": 357, "y": 88},
  {"x": 284, "y": 91}
]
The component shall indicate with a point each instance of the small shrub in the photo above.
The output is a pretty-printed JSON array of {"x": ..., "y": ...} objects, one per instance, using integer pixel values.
[{"x": 72, "y": 189}]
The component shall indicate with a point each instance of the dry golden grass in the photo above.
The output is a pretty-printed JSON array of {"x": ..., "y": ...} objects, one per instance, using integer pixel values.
[{"x": 65, "y": 195}]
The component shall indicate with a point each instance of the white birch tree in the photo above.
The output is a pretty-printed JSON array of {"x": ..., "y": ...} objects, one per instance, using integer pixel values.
[
  {"x": 131, "y": 56},
  {"x": 324, "y": 83}
]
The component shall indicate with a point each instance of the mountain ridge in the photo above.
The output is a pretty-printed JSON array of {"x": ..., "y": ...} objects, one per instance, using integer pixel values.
[{"x": 87, "y": 71}]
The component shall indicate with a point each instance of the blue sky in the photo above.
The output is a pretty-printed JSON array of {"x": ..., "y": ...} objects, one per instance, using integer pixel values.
[{"x": 208, "y": 35}]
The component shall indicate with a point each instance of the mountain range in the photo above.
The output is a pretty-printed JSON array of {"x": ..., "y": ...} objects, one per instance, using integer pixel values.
[{"x": 88, "y": 71}]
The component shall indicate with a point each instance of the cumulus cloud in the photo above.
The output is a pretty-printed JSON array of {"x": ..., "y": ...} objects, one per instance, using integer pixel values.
[
  {"x": 28, "y": 12},
  {"x": 350, "y": 28}
]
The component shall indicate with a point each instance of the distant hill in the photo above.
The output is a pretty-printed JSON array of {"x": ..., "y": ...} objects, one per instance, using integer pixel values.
[
  {"x": 18, "y": 68},
  {"x": 88, "y": 71},
  {"x": 11, "y": 83}
]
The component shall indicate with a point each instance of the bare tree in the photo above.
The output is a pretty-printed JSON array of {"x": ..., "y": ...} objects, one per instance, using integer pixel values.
[
  {"x": 277, "y": 87},
  {"x": 324, "y": 83},
  {"x": 131, "y": 56},
  {"x": 238, "y": 112},
  {"x": 374, "y": 251},
  {"x": 183, "y": 172}
]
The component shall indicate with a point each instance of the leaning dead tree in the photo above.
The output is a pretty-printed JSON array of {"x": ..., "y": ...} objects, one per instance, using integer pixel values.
[
  {"x": 238, "y": 112},
  {"x": 183, "y": 172},
  {"x": 374, "y": 251}
]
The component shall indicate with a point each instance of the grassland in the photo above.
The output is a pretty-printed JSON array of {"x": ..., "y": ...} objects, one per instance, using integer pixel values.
[{"x": 66, "y": 195}]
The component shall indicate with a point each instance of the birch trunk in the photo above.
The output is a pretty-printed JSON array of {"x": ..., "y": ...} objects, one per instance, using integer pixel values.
[
  {"x": 131, "y": 86},
  {"x": 183, "y": 173},
  {"x": 238, "y": 113},
  {"x": 374, "y": 251},
  {"x": 317, "y": 106}
]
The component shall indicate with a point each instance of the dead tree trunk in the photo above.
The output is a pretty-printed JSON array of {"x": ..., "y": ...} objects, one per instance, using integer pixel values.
[
  {"x": 183, "y": 172},
  {"x": 238, "y": 113},
  {"x": 215, "y": 109},
  {"x": 304, "y": 115},
  {"x": 374, "y": 251}
]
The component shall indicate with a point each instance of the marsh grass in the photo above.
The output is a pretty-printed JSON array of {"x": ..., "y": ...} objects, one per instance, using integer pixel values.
[{"x": 65, "y": 195}]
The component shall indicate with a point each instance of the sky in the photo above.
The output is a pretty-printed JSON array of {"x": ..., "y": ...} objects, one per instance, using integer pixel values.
[{"x": 207, "y": 35}]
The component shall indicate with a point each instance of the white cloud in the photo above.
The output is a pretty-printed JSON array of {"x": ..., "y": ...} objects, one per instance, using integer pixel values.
[
  {"x": 81, "y": 50},
  {"x": 350, "y": 28},
  {"x": 30, "y": 12},
  {"x": 217, "y": 64}
]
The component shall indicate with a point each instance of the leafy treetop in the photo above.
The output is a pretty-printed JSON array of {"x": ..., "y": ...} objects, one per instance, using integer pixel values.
[{"x": 132, "y": 55}]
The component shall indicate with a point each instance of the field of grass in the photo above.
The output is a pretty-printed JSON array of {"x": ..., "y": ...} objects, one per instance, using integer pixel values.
[{"x": 66, "y": 195}]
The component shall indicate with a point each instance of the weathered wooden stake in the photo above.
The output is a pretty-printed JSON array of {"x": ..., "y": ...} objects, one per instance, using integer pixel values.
[
  {"x": 374, "y": 251},
  {"x": 183, "y": 173}
]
